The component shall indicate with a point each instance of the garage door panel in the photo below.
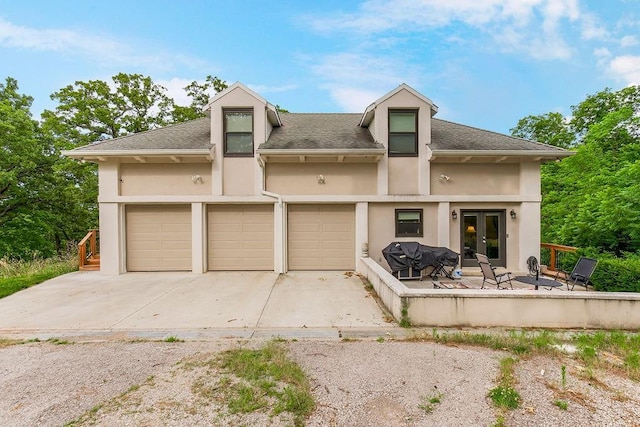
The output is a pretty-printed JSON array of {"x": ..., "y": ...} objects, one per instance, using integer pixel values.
[
  {"x": 321, "y": 237},
  {"x": 158, "y": 238},
  {"x": 240, "y": 237}
]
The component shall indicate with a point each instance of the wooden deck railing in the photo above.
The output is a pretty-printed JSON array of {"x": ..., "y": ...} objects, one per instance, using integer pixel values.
[
  {"x": 553, "y": 261},
  {"x": 88, "y": 251}
]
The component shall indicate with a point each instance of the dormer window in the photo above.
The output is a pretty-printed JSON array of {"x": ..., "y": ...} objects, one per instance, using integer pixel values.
[
  {"x": 403, "y": 133},
  {"x": 238, "y": 132}
]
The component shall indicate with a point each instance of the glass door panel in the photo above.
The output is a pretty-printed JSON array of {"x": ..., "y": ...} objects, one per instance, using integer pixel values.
[
  {"x": 469, "y": 237},
  {"x": 483, "y": 232}
]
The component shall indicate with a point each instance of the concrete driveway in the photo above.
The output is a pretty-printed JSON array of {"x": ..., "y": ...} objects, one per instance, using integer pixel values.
[{"x": 215, "y": 304}]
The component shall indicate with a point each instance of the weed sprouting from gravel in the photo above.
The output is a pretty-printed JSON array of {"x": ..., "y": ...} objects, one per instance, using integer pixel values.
[
  {"x": 58, "y": 341},
  {"x": 505, "y": 395},
  {"x": 173, "y": 338},
  {"x": 266, "y": 377},
  {"x": 429, "y": 403},
  {"x": 561, "y": 404}
]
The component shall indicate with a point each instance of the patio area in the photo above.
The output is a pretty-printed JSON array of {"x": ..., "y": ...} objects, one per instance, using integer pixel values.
[
  {"x": 475, "y": 282},
  {"x": 461, "y": 303}
]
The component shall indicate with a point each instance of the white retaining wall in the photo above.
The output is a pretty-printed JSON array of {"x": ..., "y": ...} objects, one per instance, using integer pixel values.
[{"x": 503, "y": 308}]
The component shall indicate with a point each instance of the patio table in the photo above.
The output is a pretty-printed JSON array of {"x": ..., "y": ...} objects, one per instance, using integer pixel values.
[{"x": 546, "y": 283}]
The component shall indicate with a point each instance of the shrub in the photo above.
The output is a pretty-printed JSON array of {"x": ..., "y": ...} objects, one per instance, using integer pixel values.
[{"x": 617, "y": 274}]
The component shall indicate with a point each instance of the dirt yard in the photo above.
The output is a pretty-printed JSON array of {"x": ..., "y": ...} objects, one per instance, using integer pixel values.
[{"x": 355, "y": 383}]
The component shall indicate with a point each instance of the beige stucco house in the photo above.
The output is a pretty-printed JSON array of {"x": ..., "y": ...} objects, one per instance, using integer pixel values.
[{"x": 252, "y": 188}]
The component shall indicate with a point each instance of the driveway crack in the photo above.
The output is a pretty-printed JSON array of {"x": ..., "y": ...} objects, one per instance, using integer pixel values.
[{"x": 275, "y": 282}]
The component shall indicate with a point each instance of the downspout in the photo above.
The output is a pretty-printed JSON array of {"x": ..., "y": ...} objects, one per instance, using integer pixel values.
[{"x": 264, "y": 192}]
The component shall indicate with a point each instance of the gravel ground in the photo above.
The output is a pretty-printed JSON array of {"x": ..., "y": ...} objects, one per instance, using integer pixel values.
[{"x": 361, "y": 383}]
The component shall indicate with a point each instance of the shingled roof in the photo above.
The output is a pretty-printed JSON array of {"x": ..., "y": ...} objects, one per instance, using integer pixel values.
[
  {"x": 317, "y": 131},
  {"x": 453, "y": 136},
  {"x": 323, "y": 131},
  {"x": 191, "y": 135}
]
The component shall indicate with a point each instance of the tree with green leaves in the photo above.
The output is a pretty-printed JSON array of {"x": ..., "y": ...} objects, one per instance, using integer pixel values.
[
  {"x": 200, "y": 94},
  {"x": 96, "y": 110},
  {"x": 26, "y": 168},
  {"x": 550, "y": 128},
  {"x": 591, "y": 199}
]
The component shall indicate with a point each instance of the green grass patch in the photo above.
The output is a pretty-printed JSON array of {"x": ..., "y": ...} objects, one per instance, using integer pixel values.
[
  {"x": 18, "y": 275},
  {"x": 515, "y": 342},
  {"x": 58, "y": 341},
  {"x": 561, "y": 404},
  {"x": 429, "y": 403},
  {"x": 267, "y": 378},
  {"x": 505, "y": 395},
  {"x": 173, "y": 338}
]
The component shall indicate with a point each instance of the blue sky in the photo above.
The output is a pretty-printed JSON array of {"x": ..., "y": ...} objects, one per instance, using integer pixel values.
[{"x": 485, "y": 63}]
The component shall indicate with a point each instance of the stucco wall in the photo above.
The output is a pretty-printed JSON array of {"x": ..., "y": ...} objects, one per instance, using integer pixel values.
[
  {"x": 475, "y": 179},
  {"x": 403, "y": 175},
  {"x": 167, "y": 179},
  {"x": 239, "y": 176},
  {"x": 339, "y": 178},
  {"x": 382, "y": 227}
]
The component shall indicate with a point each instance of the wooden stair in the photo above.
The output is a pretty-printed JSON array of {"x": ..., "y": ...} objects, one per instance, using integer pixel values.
[
  {"x": 92, "y": 264},
  {"x": 89, "y": 257}
]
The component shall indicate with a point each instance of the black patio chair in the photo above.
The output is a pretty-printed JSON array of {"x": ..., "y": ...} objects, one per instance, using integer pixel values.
[
  {"x": 581, "y": 273},
  {"x": 489, "y": 273}
]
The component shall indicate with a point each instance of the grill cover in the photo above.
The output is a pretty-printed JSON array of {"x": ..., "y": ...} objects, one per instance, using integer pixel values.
[{"x": 404, "y": 255}]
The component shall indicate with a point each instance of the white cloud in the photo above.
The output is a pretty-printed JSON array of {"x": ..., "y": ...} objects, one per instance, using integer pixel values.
[
  {"x": 356, "y": 80},
  {"x": 102, "y": 49},
  {"x": 626, "y": 68},
  {"x": 530, "y": 26},
  {"x": 601, "y": 52},
  {"x": 592, "y": 30},
  {"x": 175, "y": 89},
  {"x": 629, "y": 41}
]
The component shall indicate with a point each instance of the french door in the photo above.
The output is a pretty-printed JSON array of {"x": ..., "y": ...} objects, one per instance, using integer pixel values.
[{"x": 483, "y": 232}]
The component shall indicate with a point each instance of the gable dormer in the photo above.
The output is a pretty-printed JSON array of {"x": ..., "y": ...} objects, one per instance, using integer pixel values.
[
  {"x": 401, "y": 122},
  {"x": 401, "y": 111},
  {"x": 241, "y": 120}
]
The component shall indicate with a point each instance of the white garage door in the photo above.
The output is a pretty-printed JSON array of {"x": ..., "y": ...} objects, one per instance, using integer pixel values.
[
  {"x": 321, "y": 237},
  {"x": 240, "y": 237},
  {"x": 158, "y": 238}
]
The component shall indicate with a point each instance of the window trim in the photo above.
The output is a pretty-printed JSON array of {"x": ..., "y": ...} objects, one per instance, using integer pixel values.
[
  {"x": 225, "y": 133},
  {"x": 420, "y": 232},
  {"x": 390, "y": 111}
]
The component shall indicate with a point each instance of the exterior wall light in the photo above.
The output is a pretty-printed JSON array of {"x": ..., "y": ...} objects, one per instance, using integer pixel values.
[
  {"x": 320, "y": 179},
  {"x": 513, "y": 214},
  {"x": 454, "y": 214}
]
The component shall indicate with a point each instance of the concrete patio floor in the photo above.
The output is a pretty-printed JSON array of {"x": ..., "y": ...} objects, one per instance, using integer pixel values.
[
  {"x": 216, "y": 304},
  {"x": 475, "y": 282}
]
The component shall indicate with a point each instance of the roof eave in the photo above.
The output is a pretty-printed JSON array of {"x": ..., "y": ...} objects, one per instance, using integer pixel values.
[
  {"x": 103, "y": 155},
  {"x": 541, "y": 155},
  {"x": 374, "y": 153}
]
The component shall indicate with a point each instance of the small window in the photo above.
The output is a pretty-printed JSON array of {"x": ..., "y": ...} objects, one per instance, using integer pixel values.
[
  {"x": 403, "y": 133},
  {"x": 238, "y": 133},
  {"x": 409, "y": 223}
]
